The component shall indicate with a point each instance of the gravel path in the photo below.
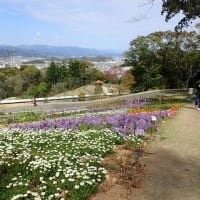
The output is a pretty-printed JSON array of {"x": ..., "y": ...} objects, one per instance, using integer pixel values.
[{"x": 173, "y": 168}]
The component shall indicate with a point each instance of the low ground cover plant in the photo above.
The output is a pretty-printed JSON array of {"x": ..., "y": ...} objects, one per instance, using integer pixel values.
[{"x": 53, "y": 164}]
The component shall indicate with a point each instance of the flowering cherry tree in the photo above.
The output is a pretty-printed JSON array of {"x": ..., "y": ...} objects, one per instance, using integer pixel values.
[{"x": 118, "y": 75}]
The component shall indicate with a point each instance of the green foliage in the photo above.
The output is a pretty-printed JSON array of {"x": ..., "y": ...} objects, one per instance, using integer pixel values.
[
  {"x": 29, "y": 81},
  {"x": 57, "y": 88},
  {"x": 164, "y": 59},
  {"x": 133, "y": 140},
  {"x": 30, "y": 74},
  {"x": 190, "y": 10},
  {"x": 32, "y": 90},
  {"x": 51, "y": 74},
  {"x": 56, "y": 164},
  {"x": 42, "y": 89}
]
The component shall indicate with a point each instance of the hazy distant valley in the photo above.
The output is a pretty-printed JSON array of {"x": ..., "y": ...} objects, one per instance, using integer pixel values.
[
  {"x": 42, "y": 55},
  {"x": 58, "y": 51}
]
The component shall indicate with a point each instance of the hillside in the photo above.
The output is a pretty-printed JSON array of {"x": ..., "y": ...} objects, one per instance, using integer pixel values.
[
  {"x": 46, "y": 51},
  {"x": 89, "y": 90}
]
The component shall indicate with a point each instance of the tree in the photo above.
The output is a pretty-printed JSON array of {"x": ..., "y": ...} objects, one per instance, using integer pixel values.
[
  {"x": 192, "y": 66},
  {"x": 78, "y": 72},
  {"x": 127, "y": 80},
  {"x": 30, "y": 74},
  {"x": 57, "y": 88},
  {"x": 52, "y": 74},
  {"x": 3, "y": 93},
  {"x": 173, "y": 49},
  {"x": 32, "y": 90},
  {"x": 143, "y": 56},
  {"x": 189, "y": 8},
  {"x": 114, "y": 74},
  {"x": 183, "y": 56},
  {"x": 121, "y": 77},
  {"x": 10, "y": 82},
  {"x": 161, "y": 59},
  {"x": 2, "y": 85},
  {"x": 11, "y": 71},
  {"x": 42, "y": 89}
]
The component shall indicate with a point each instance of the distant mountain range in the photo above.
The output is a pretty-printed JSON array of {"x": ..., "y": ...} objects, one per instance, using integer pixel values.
[{"x": 47, "y": 51}]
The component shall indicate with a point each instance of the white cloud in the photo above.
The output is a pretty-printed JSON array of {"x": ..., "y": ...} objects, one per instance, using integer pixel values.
[
  {"x": 97, "y": 23},
  {"x": 38, "y": 34},
  {"x": 77, "y": 12}
]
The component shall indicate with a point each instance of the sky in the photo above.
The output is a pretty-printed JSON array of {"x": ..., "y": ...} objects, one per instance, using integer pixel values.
[{"x": 99, "y": 24}]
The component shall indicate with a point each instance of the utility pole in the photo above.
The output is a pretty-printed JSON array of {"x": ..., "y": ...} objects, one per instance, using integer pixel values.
[{"x": 10, "y": 55}]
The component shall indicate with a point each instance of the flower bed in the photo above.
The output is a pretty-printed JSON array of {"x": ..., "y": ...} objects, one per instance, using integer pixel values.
[
  {"x": 123, "y": 124},
  {"x": 80, "y": 110},
  {"x": 60, "y": 158},
  {"x": 52, "y": 164}
]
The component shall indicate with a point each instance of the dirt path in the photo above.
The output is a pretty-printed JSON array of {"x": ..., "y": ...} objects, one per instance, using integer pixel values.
[{"x": 172, "y": 170}]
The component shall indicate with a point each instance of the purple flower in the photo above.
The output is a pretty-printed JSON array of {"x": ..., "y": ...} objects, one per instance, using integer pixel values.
[{"x": 124, "y": 124}]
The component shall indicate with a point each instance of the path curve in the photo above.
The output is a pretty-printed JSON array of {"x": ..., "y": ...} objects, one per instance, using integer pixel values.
[{"x": 173, "y": 170}]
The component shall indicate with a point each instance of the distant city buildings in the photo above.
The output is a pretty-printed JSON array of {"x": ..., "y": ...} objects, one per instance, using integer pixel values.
[
  {"x": 105, "y": 65},
  {"x": 17, "y": 61},
  {"x": 42, "y": 62}
]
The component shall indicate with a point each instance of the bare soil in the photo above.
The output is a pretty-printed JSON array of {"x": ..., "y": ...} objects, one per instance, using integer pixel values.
[{"x": 168, "y": 170}]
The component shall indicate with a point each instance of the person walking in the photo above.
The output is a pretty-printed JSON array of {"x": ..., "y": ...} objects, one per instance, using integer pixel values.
[
  {"x": 197, "y": 100},
  {"x": 190, "y": 94},
  {"x": 34, "y": 101}
]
